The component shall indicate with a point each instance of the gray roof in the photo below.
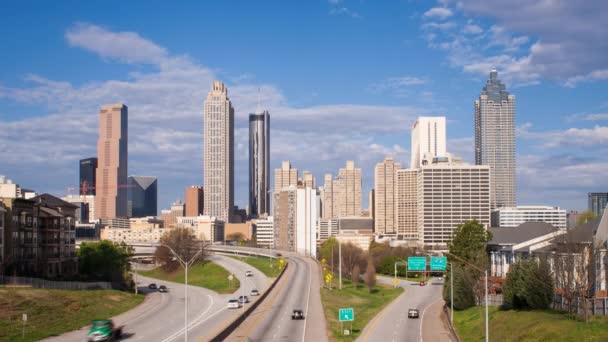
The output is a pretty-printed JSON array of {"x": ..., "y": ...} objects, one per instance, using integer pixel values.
[
  {"x": 581, "y": 234},
  {"x": 524, "y": 232},
  {"x": 52, "y": 201},
  {"x": 356, "y": 223}
]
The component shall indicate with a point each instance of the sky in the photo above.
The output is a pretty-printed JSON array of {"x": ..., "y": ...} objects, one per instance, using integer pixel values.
[{"x": 342, "y": 79}]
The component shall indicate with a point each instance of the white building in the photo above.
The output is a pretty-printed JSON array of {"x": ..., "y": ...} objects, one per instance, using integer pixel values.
[
  {"x": 264, "y": 232},
  {"x": 307, "y": 217},
  {"x": 8, "y": 189},
  {"x": 360, "y": 240},
  {"x": 130, "y": 235},
  {"x": 514, "y": 216},
  {"x": 327, "y": 228},
  {"x": 89, "y": 200},
  {"x": 206, "y": 228},
  {"x": 428, "y": 140}
]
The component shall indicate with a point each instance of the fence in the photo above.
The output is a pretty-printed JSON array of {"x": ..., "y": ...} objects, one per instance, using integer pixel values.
[
  {"x": 493, "y": 300},
  {"x": 56, "y": 285},
  {"x": 593, "y": 306}
]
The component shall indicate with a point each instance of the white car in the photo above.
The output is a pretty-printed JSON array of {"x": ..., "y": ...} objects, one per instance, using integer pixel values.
[
  {"x": 254, "y": 292},
  {"x": 233, "y": 304},
  {"x": 248, "y": 274}
]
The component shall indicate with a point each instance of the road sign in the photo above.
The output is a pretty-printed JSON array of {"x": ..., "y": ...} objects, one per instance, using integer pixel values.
[
  {"x": 24, "y": 317},
  {"x": 416, "y": 263},
  {"x": 281, "y": 261},
  {"x": 230, "y": 277},
  {"x": 323, "y": 261},
  {"x": 396, "y": 281},
  {"x": 346, "y": 315},
  {"x": 439, "y": 263}
]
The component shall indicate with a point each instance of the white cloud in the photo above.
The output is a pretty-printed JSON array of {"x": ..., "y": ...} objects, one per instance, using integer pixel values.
[
  {"x": 472, "y": 29},
  {"x": 438, "y": 12},
  {"x": 344, "y": 11},
  {"x": 398, "y": 85},
  {"x": 571, "y": 137},
  {"x": 596, "y": 117}
]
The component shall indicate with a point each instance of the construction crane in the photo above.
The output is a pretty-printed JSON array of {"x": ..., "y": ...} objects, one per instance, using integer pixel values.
[{"x": 85, "y": 187}]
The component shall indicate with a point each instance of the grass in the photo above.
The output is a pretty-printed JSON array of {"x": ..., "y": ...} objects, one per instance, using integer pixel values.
[
  {"x": 365, "y": 304},
  {"x": 52, "y": 312},
  {"x": 208, "y": 275},
  {"x": 510, "y": 325},
  {"x": 268, "y": 266}
]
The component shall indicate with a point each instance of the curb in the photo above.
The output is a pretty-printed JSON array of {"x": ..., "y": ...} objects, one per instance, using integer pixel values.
[{"x": 446, "y": 314}]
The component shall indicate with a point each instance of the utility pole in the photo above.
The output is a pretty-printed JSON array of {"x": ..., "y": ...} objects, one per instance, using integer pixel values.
[
  {"x": 452, "y": 293},
  {"x": 340, "y": 262},
  {"x": 487, "y": 328}
]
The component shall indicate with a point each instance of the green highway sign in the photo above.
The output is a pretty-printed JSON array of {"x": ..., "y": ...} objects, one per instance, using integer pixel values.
[
  {"x": 346, "y": 315},
  {"x": 416, "y": 263},
  {"x": 439, "y": 263}
]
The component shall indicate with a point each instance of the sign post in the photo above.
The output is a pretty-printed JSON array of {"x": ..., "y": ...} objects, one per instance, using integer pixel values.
[
  {"x": 24, "y": 318},
  {"x": 346, "y": 315},
  {"x": 230, "y": 277}
]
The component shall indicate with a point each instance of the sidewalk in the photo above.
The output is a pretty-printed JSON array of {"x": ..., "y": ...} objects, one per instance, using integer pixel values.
[{"x": 435, "y": 326}]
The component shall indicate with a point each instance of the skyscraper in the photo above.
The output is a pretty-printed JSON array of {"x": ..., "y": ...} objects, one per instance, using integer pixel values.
[
  {"x": 259, "y": 163},
  {"x": 112, "y": 156},
  {"x": 385, "y": 186},
  {"x": 142, "y": 196},
  {"x": 597, "y": 202},
  {"x": 194, "y": 201},
  {"x": 348, "y": 185},
  {"x": 495, "y": 139},
  {"x": 87, "y": 176},
  {"x": 218, "y": 144},
  {"x": 285, "y": 176},
  {"x": 428, "y": 140}
]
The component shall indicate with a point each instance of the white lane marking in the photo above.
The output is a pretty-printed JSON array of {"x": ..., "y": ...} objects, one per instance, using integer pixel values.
[
  {"x": 308, "y": 298},
  {"x": 194, "y": 323}
]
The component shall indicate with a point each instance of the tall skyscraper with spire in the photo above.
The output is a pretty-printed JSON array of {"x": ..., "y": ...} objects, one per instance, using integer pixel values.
[
  {"x": 495, "y": 140},
  {"x": 259, "y": 163},
  {"x": 218, "y": 141}
]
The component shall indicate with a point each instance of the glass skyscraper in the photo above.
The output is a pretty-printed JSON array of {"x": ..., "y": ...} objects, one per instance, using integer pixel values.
[
  {"x": 142, "y": 196},
  {"x": 597, "y": 202},
  {"x": 259, "y": 163},
  {"x": 87, "y": 176}
]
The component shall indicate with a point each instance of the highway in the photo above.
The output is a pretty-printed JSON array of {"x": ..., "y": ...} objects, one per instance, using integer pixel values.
[
  {"x": 392, "y": 323},
  {"x": 161, "y": 316},
  {"x": 299, "y": 288}
]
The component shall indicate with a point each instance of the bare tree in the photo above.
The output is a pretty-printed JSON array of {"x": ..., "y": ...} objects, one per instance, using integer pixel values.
[
  {"x": 351, "y": 255},
  {"x": 370, "y": 275},
  {"x": 183, "y": 242},
  {"x": 236, "y": 236},
  {"x": 356, "y": 275}
]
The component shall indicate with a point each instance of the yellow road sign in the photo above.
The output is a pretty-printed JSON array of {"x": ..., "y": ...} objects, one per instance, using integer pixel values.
[
  {"x": 396, "y": 281},
  {"x": 281, "y": 261},
  {"x": 323, "y": 261}
]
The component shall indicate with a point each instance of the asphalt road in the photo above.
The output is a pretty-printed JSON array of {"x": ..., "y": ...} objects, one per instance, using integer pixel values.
[
  {"x": 392, "y": 323},
  {"x": 299, "y": 288},
  {"x": 161, "y": 316}
]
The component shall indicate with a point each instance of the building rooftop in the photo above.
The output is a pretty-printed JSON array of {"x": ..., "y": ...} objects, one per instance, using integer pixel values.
[{"x": 524, "y": 232}]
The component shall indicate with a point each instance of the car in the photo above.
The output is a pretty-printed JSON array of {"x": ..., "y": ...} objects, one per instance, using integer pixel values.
[
  {"x": 440, "y": 278},
  {"x": 233, "y": 304},
  {"x": 243, "y": 299},
  {"x": 297, "y": 314},
  {"x": 163, "y": 288},
  {"x": 103, "y": 330},
  {"x": 422, "y": 283},
  {"x": 254, "y": 292},
  {"x": 413, "y": 313},
  {"x": 248, "y": 274},
  {"x": 152, "y": 286},
  {"x": 278, "y": 254}
]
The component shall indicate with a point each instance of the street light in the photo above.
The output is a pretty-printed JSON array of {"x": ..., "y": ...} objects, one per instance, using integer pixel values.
[
  {"x": 185, "y": 265},
  {"x": 400, "y": 262}
]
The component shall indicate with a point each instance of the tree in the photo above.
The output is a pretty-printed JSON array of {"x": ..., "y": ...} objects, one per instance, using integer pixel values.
[
  {"x": 584, "y": 217},
  {"x": 351, "y": 255},
  {"x": 105, "y": 261},
  {"x": 236, "y": 236},
  {"x": 325, "y": 252},
  {"x": 529, "y": 285},
  {"x": 469, "y": 239},
  {"x": 370, "y": 275},
  {"x": 356, "y": 275},
  {"x": 183, "y": 242}
]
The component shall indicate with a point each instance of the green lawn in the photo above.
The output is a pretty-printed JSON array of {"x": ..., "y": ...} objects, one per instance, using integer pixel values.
[
  {"x": 52, "y": 312},
  {"x": 208, "y": 275},
  {"x": 268, "y": 266},
  {"x": 366, "y": 305},
  {"x": 527, "y": 326}
]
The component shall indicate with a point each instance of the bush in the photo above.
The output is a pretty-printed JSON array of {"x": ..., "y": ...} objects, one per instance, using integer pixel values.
[
  {"x": 529, "y": 285},
  {"x": 105, "y": 261}
]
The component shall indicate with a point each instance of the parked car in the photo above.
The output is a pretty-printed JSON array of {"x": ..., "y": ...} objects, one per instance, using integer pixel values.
[
  {"x": 297, "y": 314},
  {"x": 233, "y": 304},
  {"x": 163, "y": 288},
  {"x": 103, "y": 330},
  {"x": 254, "y": 292},
  {"x": 243, "y": 299},
  {"x": 412, "y": 313},
  {"x": 248, "y": 274},
  {"x": 422, "y": 283},
  {"x": 152, "y": 286}
]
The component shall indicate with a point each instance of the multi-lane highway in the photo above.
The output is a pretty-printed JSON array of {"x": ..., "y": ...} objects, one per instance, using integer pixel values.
[{"x": 392, "y": 323}]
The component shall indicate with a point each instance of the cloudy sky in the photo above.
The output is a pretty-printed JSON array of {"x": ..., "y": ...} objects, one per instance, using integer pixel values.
[{"x": 342, "y": 79}]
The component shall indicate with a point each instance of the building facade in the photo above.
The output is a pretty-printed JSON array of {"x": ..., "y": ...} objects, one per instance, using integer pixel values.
[
  {"x": 264, "y": 232},
  {"x": 495, "y": 139},
  {"x": 79, "y": 200},
  {"x": 327, "y": 228},
  {"x": 406, "y": 212},
  {"x": 513, "y": 217},
  {"x": 8, "y": 189},
  {"x": 597, "y": 202},
  {"x": 307, "y": 214},
  {"x": 284, "y": 215},
  {"x": 88, "y": 170},
  {"x": 2, "y": 237},
  {"x": 205, "y": 228},
  {"x": 170, "y": 216},
  {"x": 195, "y": 201},
  {"x": 112, "y": 157},
  {"x": 385, "y": 187},
  {"x": 218, "y": 146},
  {"x": 308, "y": 180},
  {"x": 259, "y": 164},
  {"x": 428, "y": 140},
  {"x": 285, "y": 176},
  {"x": 142, "y": 199},
  {"x": 342, "y": 195}
]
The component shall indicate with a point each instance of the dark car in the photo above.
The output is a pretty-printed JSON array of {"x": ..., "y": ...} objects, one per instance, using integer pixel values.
[
  {"x": 412, "y": 313},
  {"x": 152, "y": 286},
  {"x": 243, "y": 299},
  {"x": 297, "y": 314},
  {"x": 163, "y": 288}
]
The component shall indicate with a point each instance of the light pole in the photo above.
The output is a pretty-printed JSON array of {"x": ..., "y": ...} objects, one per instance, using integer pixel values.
[
  {"x": 340, "y": 262},
  {"x": 185, "y": 264},
  {"x": 452, "y": 293},
  {"x": 400, "y": 262}
]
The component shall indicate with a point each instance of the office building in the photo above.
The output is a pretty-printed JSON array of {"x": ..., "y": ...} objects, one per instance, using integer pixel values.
[
  {"x": 264, "y": 232},
  {"x": 170, "y": 216},
  {"x": 327, "y": 228},
  {"x": 246, "y": 229},
  {"x": 259, "y": 163},
  {"x": 597, "y": 202},
  {"x": 406, "y": 198},
  {"x": 8, "y": 189},
  {"x": 428, "y": 140},
  {"x": 194, "y": 201},
  {"x": 495, "y": 140},
  {"x": 139, "y": 230},
  {"x": 284, "y": 214},
  {"x": 142, "y": 196},
  {"x": 88, "y": 170},
  {"x": 330, "y": 207},
  {"x": 385, "y": 188},
  {"x": 112, "y": 156},
  {"x": 307, "y": 213},
  {"x": 205, "y": 228},
  {"x": 342, "y": 195},
  {"x": 82, "y": 201},
  {"x": 218, "y": 147},
  {"x": 513, "y": 217},
  {"x": 285, "y": 176},
  {"x": 308, "y": 180}
]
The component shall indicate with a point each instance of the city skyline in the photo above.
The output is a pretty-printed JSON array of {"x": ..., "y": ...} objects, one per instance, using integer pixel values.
[{"x": 555, "y": 130}]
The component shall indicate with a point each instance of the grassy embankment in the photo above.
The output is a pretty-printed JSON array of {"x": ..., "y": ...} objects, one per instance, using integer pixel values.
[
  {"x": 52, "y": 312},
  {"x": 208, "y": 275},
  {"x": 365, "y": 304},
  {"x": 513, "y": 325},
  {"x": 268, "y": 266}
]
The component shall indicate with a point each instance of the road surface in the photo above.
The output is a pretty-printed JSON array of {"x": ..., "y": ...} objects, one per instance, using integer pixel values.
[
  {"x": 392, "y": 323},
  {"x": 299, "y": 288}
]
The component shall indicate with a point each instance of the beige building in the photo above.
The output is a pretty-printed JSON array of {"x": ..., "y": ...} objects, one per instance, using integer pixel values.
[
  {"x": 285, "y": 176},
  {"x": 284, "y": 215},
  {"x": 245, "y": 228},
  {"x": 308, "y": 180},
  {"x": 218, "y": 153},
  {"x": 194, "y": 201},
  {"x": 89, "y": 200},
  {"x": 141, "y": 229},
  {"x": 360, "y": 240},
  {"x": 205, "y": 228},
  {"x": 112, "y": 156},
  {"x": 406, "y": 212},
  {"x": 385, "y": 188},
  {"x": 329, "y": 210},
  {"x": 169, "y": 217},
  {"x": 342, "y": 196}
]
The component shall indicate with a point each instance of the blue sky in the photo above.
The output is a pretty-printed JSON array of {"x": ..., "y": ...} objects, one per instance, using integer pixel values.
[{"x": 343, "y": 79}]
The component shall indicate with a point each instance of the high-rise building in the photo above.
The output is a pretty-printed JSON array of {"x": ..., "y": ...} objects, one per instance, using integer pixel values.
[
  {"x": 284, "y": 215},
  {"x": 219, "y": 153},
  {"x": 329, "y": 211},
  {"x": 327, "y": 228},
  {"x": 259, "y": 163},
  {"x": 385, "y": 205},
  {"x": 495, "y": 139},
  {"x": 597, "y": 202},
  {"x": 513, "y": 217},
  {"x": 428, "y": 140},
  {"x": 342, "y": 195},
  {"x": 264, "y": 232},
  {"x": 169, "y": 216},
  {"x": 307, "y": 214},
  {"x": 112, "y": 157},
  {"x": 285, "y": 176},
  {"x": 308, "y": 180},
  {"x": 142, "y": 196},
  {"x": 406, "y": 197},
  {"x": 194, "y": 201},
  {"x": 86, "y": 201},
  {"x": 88, "y": 168}
]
